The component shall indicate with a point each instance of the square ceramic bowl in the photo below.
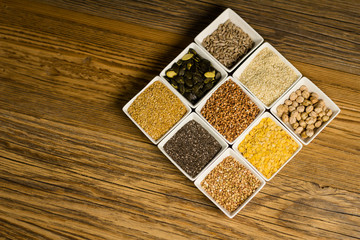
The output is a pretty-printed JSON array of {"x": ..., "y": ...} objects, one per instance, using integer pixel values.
[
  {"x": 229, "y": 152},
  {"x": 157, "y": 78},
  {"x": 229, "y": 14},
  {"x": 192, "y": 116},
  {"x": 243, "y": 66},
  {"x": 239, "y": 140},
  {"x": 312, "y": 88},
  {"x": 202, "y": 54},
  {"x": 253, "y": 99}
]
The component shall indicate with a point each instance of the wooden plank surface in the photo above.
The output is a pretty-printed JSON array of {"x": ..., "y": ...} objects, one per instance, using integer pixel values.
[{"x": 73, "y": 166}]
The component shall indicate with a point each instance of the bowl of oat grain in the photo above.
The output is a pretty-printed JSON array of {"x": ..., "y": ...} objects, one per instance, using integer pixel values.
[{"x": 267, "y": 75}]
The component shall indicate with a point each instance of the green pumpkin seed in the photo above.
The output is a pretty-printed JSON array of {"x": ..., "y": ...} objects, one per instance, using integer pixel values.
[
  {"x": 192, "y": 76},
  {"x": 188, "y": 82},
  {"x": 217, "y": 76},
  {"x": 210, "y": 74},
  {"x": 181, "y": 89},
  {"x": 179, "y": 62},
  {"x": 207, "y": 80},
  {"x": 208, "y": 86},
  {"x": 188, "y": 66},
  {"x": 180, "y": 80},
  {"x": 191, "y": 50},
  {"x": 175, "y": 68},
  {"x": 187, "y": 56},
  {"x": 171, "y": 73},
  {"x": 182, "y": 71},
  {"x": 174, "y": 84}
]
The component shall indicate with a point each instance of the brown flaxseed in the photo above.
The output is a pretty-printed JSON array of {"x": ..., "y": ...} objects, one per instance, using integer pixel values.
[
  {"x": 157, "y": 110},
  {"x": 229, "y": 110},
  {"x": 230, "y": 183}
]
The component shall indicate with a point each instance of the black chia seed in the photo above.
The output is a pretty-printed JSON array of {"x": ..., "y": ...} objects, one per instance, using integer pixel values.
[{"x": 192, "y": 148}]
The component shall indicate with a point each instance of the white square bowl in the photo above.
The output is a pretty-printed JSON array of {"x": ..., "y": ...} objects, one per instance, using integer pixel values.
[
  {"x": 253, "y": 99},
  {"x": 243, "y": 66},
  {"x": 229, "y": 14},
  {"x": 312, "y": 88},
  {"x": 192, "y": 116},
  {"x": 227, "y": 153},
  {"x": 126, "y": 107},
  {"x": 241, "y": 138},
  {"x": 202, "y": 54}
]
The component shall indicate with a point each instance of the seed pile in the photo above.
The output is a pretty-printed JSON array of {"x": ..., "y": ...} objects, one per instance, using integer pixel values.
[
  {"x": 304, "y": 111},
  {"x": 267, "y": 76},
  {"x": 229, "y": 110},
  {"x": 192, "y": 76},
  {"x": 192, "y": 148},
  {"x": 157, "y": 98},
  {"x": 230, "y": 183},
  {"x": 267, "y": 147},
  {"x": 228, "y": 43}
]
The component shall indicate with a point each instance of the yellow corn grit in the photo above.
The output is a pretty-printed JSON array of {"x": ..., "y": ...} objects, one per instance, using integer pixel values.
[{"x": 267, "y": 146}]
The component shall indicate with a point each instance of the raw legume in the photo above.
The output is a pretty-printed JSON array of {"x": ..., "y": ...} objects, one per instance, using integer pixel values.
[
  {"x": 229, "y": 110},
  {"x": 192, "y": 148},
  {"x": 267, "y": 147},
  {"x": 312, "y": 111},
  {"x": 230, "y": 183},
  {"x": 228, "y": 43},
  {"x": 267, "y": 76},
  {"x": 156, "y": 110}
]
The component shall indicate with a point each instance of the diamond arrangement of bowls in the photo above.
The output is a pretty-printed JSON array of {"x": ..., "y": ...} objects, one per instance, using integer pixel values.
[{"x": 231, "y": 172}]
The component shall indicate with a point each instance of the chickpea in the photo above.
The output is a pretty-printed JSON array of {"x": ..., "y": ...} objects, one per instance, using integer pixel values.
[
  {"x": 298, "y": 117},
  {"x": 292, "y": 120},
  {"x": 328, "y": 112},
  {"x": 314, "y": 94},
  {"x": 303, "y": 88},
  {"x": 300, "y": 108},
  {"x": 313, "y": 114},
  {"x": 306, "y": 103},
  {"x": 314, "y": 100},
  {"x": 295, "y": 125},
  {"x": 304, "y": 135},
  {"x": 318, "y": 110},
  {"x": 293, "y": 96},
  {"x": 302, "y": 123},
  {"x": 295, "y": 104},
  {"x": 299, "y": 130},
  {"x": 309, "y": 132},
  {"x": 285, "y": 118},
  {"x": 325, "y": 118},
  {"x": 311, "y": 126},
  {"x": 299, "y": 99},
  {"x": 309, "y": 109},
  {"x": 318, "y": 124},
  {"x": 288, "y": 102},
  {"x": 304, "y": 115},
  {"x": 305, "y": 94}
]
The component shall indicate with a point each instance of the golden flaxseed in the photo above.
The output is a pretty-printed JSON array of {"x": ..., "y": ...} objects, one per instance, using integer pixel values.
[{"x": 157, "y": 110}]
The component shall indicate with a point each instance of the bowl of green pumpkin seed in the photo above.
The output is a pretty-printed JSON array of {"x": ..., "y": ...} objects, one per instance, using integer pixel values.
[{"x": 193, "y": 73}]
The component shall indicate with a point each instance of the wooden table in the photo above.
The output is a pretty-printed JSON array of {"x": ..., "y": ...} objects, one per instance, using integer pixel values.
[{"x": 74, "y": 166}]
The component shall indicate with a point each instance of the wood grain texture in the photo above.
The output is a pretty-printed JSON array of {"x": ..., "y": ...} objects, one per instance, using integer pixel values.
[
  {"x": 74, "y": 167},
  {"x": 324, "y": 33}
]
